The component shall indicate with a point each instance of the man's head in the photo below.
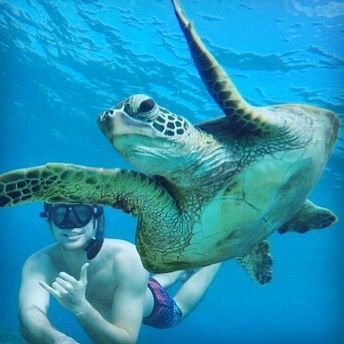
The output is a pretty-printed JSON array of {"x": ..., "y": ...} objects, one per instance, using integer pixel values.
[{"x": 77, "y": 226}]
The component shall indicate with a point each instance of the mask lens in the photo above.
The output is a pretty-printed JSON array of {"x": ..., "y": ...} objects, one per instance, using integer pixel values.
[
  {"x": 71, "y": 216},
  {"x": 58, "y": 214},
  {"x": 83, "y": 213}
]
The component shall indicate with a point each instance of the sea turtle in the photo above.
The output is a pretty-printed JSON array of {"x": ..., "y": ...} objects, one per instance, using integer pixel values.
[{"x": 205, "y": 192}]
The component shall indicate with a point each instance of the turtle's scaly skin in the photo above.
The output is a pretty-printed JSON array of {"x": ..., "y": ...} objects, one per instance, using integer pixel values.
[
  {"x": 66, "y": 183},
  {"x": 205, "y": 193}
]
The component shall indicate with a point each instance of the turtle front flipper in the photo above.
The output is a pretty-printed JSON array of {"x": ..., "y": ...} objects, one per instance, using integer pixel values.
[
  {"x": 243, "y": 116},
  {"x": 309, "y": 217},
  {"x": 65, "y": 183}
]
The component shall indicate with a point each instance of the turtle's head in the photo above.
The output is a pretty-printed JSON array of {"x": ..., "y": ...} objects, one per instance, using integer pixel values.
[{"x": 150, "y": 137}]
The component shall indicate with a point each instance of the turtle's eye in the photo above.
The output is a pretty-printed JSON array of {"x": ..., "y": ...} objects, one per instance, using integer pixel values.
[
  {"x": 141, "y": 107},
  {"x": 147, "y": 105}
]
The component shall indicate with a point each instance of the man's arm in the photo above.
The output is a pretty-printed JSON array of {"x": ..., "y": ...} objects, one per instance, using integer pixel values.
[
  {"x": 33, "y": 305},
  {"x": 127, "y": 306}
]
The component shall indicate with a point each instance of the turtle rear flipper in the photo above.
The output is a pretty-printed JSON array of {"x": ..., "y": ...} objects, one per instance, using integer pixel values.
[
  {"x": 258, "y": 263},
  {"x": 310, "y": 216}
]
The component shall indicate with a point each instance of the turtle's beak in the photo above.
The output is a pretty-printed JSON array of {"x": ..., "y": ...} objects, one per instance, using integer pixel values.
[
  {"x": 115, "y": 122},
  {"x": 105, "y": 121}
]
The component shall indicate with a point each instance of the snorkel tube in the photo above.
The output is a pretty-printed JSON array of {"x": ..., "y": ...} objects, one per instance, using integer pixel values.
[{"x": 96, "y": 243}]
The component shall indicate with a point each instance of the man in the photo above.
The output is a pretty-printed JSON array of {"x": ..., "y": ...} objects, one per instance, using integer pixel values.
[{"x": 102, "y": 282}]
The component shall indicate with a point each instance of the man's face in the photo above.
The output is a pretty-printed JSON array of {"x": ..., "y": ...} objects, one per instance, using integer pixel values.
[
  {"x": 72, "y": 224},
  {"x": 75, "y": 238}
]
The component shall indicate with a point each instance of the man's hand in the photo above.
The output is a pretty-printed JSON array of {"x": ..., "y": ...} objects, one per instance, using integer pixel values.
[{"x": 68, "y": 291}]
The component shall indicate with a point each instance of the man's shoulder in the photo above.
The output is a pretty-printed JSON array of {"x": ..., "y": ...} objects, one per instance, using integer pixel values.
[
  {"x": 41, "y": 256},
  {"x": 117, "y": 247},
  {"x": 124, "y": 256},
  {"x": 39, "y": 263}
]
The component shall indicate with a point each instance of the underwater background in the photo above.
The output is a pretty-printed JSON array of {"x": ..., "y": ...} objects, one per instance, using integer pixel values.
[{"x": 64, "y": 62}]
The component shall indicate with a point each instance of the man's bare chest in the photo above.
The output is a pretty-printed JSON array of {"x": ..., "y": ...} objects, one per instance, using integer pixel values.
[{"x": 100, "y": 292}]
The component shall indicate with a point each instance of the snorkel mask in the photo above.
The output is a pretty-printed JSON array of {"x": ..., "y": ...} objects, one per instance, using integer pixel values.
[{"x": 69, "y": 216}]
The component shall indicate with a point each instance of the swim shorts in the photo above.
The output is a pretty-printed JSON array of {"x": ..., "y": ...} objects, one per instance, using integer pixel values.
[{"x": 166, "y": 312}]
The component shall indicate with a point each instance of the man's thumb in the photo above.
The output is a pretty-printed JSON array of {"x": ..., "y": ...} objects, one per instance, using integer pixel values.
[{"x": 83, "y": 272}]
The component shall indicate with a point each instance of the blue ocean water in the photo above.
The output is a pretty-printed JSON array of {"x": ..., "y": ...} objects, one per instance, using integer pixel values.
[{"x": 62, "y": 63}]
